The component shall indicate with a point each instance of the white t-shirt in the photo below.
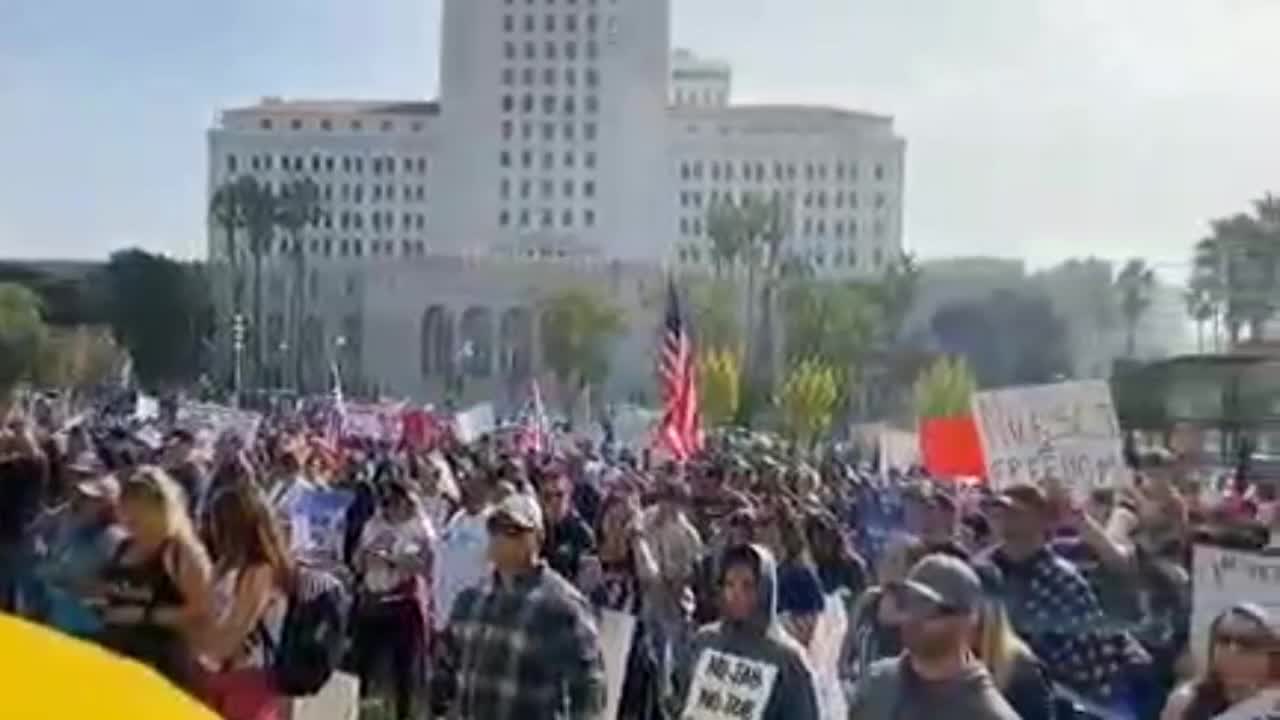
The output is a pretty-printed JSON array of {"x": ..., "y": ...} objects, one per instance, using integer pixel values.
[
  {"x": 224, "y": 597},
  {"x": 400, "y": 541},
  {"x": 462, "y": 561}
]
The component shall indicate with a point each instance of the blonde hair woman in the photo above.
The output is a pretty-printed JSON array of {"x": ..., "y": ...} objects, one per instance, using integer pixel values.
[
  {"x": 157, "y": 591},
  {"x": 1018, "y": 673}
]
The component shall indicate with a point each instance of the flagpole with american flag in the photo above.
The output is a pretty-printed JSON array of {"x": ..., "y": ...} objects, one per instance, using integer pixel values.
[{"x": 680, "y": 432}]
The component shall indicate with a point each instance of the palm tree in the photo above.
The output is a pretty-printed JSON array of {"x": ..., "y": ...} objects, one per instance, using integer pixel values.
[
  {"x": 896, "y": 294},
  {"x": 260, "y": 215},
  {"x": 1202, "y": 308},
  {"x": 298, "y": 209},
  {"x": 1236, "y": 264},
  {"x": 724, "y": 229},
  {"x": 776, "y": 227},
  {"x": 226, "y": 210},
  {"x": 1135, "y": 283}
]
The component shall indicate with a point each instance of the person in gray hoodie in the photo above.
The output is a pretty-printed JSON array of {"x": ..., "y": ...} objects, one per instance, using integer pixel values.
[
  {"x": 937, "y": 676},
  {"x": 747, "y": 660}
]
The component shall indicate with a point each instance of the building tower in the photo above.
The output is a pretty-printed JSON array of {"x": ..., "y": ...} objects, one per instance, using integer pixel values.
[{"x": 556, "y": 114}]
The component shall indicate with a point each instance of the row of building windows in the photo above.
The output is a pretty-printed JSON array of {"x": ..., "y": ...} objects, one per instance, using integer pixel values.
[
  {"x": 546, "y": 217},
  {"x": 506, "y": 159},
  {"x": 378, "y": 164},
  {"x": 781, "y": 171},
  {"x": 550, "y": 105},
  {"x": 705, "y": 97},
  {"x": 327, "y": 124},
  {"x": 355, "y": 247},
  {"x": 568, "y": 130},
  {"x": 551, "y": 50},
  {"x": 809, "y": 227},
  {"x": 546, "y": 189},
  {"x": 839, "y": 257},
  {"x": 550, "y": 23},
  {"x": 551, "y": 76},
  {"x": 810, "y": 199},
  {"x": 382, "y": 220}
]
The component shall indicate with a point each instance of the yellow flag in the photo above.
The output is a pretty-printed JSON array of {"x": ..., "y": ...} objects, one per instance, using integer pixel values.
[{"x": 47, "y": 675}]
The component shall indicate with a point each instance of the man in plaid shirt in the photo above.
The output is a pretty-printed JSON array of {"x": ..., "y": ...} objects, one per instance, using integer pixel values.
[{"x": 524, "y": 644}]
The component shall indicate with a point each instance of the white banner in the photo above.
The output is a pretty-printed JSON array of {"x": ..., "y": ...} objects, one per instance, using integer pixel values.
[
  {"x": 374, "y": 422},
  {"x": 218, "y": 420},
  {"x": 1263, "y": 706},
  {"x": 473, "y": 423},
  {"x": 617, "y": 631},
  {"x": 727, "y": 686},
  {"x": 1222, "y": 578},
  {"x": 1066, "y": 431}
]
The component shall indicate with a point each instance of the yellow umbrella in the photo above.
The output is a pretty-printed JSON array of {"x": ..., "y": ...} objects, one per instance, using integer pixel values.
[{"x": 45, "y": 675}]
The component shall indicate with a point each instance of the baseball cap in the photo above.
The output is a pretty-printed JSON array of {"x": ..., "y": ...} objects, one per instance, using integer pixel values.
[
  {"x": 943, "y": 581},
  {"x": 1029, "y": 496},
  {"x": 519, "y": 509},
  {"x": 86, "y": 463},
  {"x": 104, "y": 487}
]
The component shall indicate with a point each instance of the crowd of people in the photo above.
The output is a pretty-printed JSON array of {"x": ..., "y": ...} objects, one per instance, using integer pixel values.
[{"x": 472, "y": 579}]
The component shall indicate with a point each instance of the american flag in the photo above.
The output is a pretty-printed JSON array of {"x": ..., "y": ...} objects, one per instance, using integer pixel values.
[
  {"x": 336, "y": 418},
  {"x": 681, "y": 429},
  {"x": 533, "y": 435}
]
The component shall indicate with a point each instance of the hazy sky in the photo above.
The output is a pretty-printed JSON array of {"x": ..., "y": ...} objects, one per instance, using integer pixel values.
[{"x": 1036, "y": 128}]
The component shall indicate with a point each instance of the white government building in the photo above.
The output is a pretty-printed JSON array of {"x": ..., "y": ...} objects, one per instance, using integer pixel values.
[{"x": 569, "y": 144}]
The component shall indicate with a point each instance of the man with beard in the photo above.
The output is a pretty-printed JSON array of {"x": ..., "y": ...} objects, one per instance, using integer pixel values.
[{"x": 937, "y": 676}]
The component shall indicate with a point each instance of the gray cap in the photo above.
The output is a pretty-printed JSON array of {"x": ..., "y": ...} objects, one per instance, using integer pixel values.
[{"x": 945, "y": 581}]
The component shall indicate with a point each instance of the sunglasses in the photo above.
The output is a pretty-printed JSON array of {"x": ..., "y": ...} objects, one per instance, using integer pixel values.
[{"x": 1244, "y": 643}]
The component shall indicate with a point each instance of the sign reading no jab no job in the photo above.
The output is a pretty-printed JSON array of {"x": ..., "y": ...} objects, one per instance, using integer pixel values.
[
  {"x": 729, "y": 687},
  {"x": 1066, "y": 431}
]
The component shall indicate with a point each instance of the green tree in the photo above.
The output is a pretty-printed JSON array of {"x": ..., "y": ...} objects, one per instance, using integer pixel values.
[
  {"x": 261, "y": 216},
  {"x": 22, "y": 333},
  {"x": 944, "y": 389},
  {"x": 227, "y": 211},
  {"x": 1201, "y": 308},
  {"x": 724, "y": 233},
  {"x": 895, "y": 294},
  {"x": 299, "y": 209},
  {"x": 77, "y": 357},
  {"x": 1238, "y": 267},
  {"x": 807, "y": 400},
  {"x": 714, "y": 306},
  {"x": 832, "y": 322},
  {"x": 160, "y": 311},
  {"x": 1134, "y": 286},
  {"x": 578, "y": 330},
  {"x": 719, "y": 384}
]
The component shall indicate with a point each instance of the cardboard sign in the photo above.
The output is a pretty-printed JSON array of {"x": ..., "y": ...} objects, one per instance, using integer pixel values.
[
  {"x": 373, "y": 422},
  {"x": 339, "y": 699},
  {"x": 1263, "y": 706},
  {"x": 317, "y": 523},
  {"x": 729, "y": 687},
  {"x": 617, "y": 631},
  {"x": 1222, "y": 578},
  {"x": 1066, "y": 431},
  {"x": 219, "y": 420},
  {"x": 475, "y": 422}
]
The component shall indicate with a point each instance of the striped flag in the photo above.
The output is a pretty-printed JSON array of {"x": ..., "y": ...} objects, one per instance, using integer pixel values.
[
  {"x": 534, "y": 432},
  {"x": 336, "y": 419},
  {"x": 681, "y": 429}
]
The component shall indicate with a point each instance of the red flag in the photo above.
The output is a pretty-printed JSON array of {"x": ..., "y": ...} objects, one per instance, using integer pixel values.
[
  {"x": 681, "y": 428},
  {"x": 950, "y": 447}
]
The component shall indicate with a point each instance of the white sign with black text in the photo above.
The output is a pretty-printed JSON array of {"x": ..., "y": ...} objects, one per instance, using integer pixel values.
[
  {"x": 729, "y": 687},
  {"x": 1222, "y": 578},
  {"x": 1067, "y": 431}
]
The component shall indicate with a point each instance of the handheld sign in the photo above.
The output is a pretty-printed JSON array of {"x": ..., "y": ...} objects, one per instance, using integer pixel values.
[
  {"x": 617, "y": 631},
  {"x": 1066, "y": 431},
  {"x": 729, "y": 687},
  {"x": 1222, "y": 578},
  {"x": 475, "y": 422}
]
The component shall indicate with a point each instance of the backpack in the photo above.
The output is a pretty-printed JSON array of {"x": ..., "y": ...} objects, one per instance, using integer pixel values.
[{"x": 312, "y": 637}]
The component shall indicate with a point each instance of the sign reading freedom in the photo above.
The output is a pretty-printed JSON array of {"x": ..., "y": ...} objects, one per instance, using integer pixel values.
[{"x": 1066, "y": 431}]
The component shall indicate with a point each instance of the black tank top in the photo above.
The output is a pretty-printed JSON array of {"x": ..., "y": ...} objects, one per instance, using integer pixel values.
[{"x": 148, "y": 584}]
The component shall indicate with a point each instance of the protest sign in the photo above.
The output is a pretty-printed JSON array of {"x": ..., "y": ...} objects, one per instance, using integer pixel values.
[
  {"x": 1066, "y": 431},
  {"x": 617, "y": 630},
  {"x": 824, "y": 655},
  {"x": 317, "y": 522},
  {"x": 1263, "y": 706},
  {"x": 373, "y": 422},
  {"x": 1220, "y": 579},
  {"x": 473, "y": 423},
  {"x": 339, "y": 699},
  {"x": 219, "y": 420},
  {"x": 729, "y": 686}
]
